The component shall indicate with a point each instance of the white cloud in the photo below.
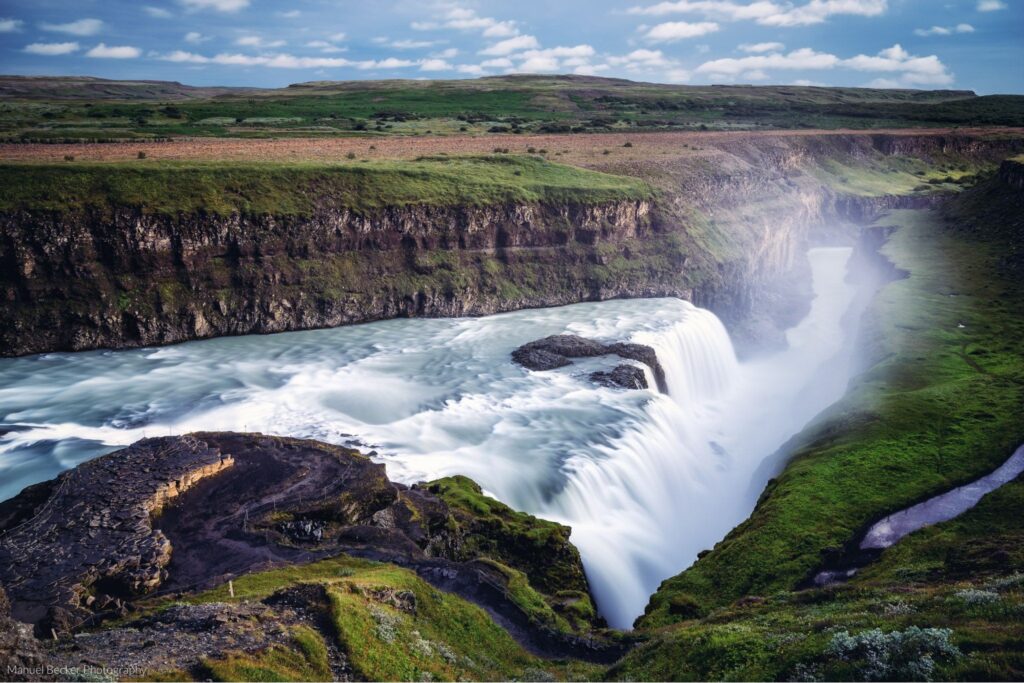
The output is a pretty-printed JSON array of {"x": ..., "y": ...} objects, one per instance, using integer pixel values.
[
  {"x": 561, "y": 51},
  {"x": 911, "y": 70},
  {"x": 447, "y": 54},
  {"x": 290, "y": 14},
  {"x": 497, "y": 63},
  {"x": 389, "y": 63},
  {"x": 103, "y": 51},
  {"x": 672, "y": 31},
  {"x": 915, "y": 70},
  {"x": 435, "y": 65},
  {"x": 195, "y": 37},
  {"x": 944, "y": 30},
  {"x": 754, "y": 75},
  {"x": 804, "y": 58},
  {"x": 337, "y": 37},
  {"x": 464, "y": 19},
  {"x": 990, "y": 5},
  {"x": 767, "y": 12},
  {"x": 51, "y": 49},
  {"x": 762, "y": 47},
  {"x": 808, "y": 83},
  {"x": 82, "y": 27},
  {"x": 590, "y": 69},
  {"x": 325, "y": 47},
  {"x": 185, "y": 57},
  {"x": 10, "y": 25},
  {"x": 472, "y": 69},
  {"x": 640, "y": 59},
  {"x": 538, "y": 64},
  {"x": 218, "y": 5},
  {"x": 288, "y": 61},
  {"x": 257, "y": 41},
  {"x": 501, "y": 29},
  {"x": 409, "y": 44},
  {"x": 157, "y": 12},
  {"x": 510, "y": 45}
]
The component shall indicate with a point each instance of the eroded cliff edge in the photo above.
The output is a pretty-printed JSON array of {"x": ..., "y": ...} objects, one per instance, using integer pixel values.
[{"x": 725, "y": 226}]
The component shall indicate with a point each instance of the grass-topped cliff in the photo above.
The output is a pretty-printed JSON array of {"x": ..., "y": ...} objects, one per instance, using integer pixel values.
[{"x": 280, "y": 189}]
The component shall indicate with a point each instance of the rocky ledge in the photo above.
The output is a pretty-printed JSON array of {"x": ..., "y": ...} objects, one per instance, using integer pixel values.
[
  {"x": 81, "y": 543},
  {"x": 557, "y": 350},
  {"x": 176, "y": 516}
]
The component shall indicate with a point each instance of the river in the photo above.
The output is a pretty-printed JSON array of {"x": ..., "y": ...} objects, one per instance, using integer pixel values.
[{"x": 646, "y": 480}]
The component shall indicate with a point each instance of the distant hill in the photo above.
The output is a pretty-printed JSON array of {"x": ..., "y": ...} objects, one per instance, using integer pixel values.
[
  {"x": 71, "y": 108},
  {"x": 88, "y": 87}
]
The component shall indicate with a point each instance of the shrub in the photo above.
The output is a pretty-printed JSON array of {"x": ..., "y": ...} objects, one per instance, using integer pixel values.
[
  {"x": 606, "y": 152},
  {"x": 69, "y": 157},
  {"x": 141, "y": 155},
  {"x": 350, "y": 155},
  {"x": 628, "y": 144},
  {"x": 898, "y": 655}
]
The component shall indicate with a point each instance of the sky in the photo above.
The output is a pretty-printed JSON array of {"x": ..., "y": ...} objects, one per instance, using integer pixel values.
[{"x": 928, "y": 44}]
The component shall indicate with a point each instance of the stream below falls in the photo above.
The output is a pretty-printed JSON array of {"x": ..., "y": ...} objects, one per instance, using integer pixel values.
[{"x": 645, "y": 480}]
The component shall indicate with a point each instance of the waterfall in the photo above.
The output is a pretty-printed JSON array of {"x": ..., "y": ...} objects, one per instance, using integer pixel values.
[{"x": 645, "y": 480}]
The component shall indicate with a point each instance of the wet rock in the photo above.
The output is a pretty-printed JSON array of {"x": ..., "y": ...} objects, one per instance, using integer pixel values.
[
  {"x": 622, "y": 377},
  {"x": 557, "y": 350}
]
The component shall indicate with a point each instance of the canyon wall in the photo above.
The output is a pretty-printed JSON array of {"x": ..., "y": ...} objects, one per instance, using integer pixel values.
[{"x": 728, "y": 228}]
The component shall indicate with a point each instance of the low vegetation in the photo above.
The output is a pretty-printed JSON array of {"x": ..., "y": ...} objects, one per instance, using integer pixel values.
[
  {"x": 280, "y": 188},
  {"x": 82, "y": 109},
  {"x": 387, "y": 623}
]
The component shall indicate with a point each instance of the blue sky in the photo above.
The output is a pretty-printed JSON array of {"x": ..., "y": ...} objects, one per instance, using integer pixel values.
[{"x": 970, "y": 44}]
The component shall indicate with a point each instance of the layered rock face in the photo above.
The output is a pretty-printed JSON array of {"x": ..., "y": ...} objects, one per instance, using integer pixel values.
[
  {"x": 728, "y": 229},
  {"x": 86, "y": 540}
]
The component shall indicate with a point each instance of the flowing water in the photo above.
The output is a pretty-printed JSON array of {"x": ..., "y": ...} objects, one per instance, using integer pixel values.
[{"x": 645, "y": 480}]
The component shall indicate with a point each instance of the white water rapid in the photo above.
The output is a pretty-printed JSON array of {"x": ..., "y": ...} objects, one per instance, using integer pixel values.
[{"x": 645, "y": 480}]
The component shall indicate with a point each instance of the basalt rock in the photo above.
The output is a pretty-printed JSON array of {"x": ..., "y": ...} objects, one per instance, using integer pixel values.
[
  {"x": 91, "y": 543},
  {"x": 183, "y": 514},
  {"x": 621, "y": 377},
  {"x": 557, "y": 350}
]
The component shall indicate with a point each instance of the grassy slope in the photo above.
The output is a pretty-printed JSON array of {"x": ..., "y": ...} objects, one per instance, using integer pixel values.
[
  {"x": 941, "y": 406},
  {"x": 444, "y": 638},
  {"x": 281, "y": 189},
  {"x": 439, "y": 107}
]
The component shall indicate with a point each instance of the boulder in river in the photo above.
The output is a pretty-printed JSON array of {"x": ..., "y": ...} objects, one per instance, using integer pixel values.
[{"x": 557, "y": 350}]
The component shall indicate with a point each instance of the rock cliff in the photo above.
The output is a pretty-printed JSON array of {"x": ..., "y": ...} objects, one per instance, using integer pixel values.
[{"x": 727, "y": 228}]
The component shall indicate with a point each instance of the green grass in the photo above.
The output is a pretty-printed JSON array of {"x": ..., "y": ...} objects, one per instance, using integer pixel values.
[
  {"x": 443, "y": 636},
  {"x": 304, "y": 659},
  {"x": 939, "y": 406},
  {"x": 81, "y": 109},
  {"x": 283, "y": 189}
]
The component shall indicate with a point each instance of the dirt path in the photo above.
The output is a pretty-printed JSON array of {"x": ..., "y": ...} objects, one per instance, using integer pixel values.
[{"x": 582, "y": 149}]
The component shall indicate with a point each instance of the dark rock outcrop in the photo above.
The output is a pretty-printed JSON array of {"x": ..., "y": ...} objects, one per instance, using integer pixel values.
[
  {"x": 555, "y": 352},
  {"x": 621, "y": 377},
  {"x": 152, "y": 519},
  {"x": 91, "y": 543},
  {"x": 21, "y": 654}
]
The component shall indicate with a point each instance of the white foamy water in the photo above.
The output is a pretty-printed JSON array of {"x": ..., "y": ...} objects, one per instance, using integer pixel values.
[{"x": 645, "y": 480}]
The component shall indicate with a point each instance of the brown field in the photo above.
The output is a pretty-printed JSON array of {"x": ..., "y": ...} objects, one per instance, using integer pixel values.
[{"x": 582, "y": 150}]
